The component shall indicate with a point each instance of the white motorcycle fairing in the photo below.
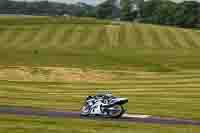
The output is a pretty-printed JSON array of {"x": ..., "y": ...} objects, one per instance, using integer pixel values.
[{"x": 96, "y": 108}]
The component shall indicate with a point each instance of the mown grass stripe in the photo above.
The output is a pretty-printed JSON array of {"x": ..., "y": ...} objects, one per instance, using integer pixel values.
[
  {"x": 64, "y": 34},
  {"x": 37, "y": 40},
  {"x": 127, "y": 36},
  {"x": 63, "y": 91},
  {"x": 180, "y": 38},
  {"x": 158, "y": 78},
  {"x": 11, "y": 37},
  {"x": 125, "y": 86},
  {"x": 188, "y": 39},
  {"x": 123, "y": 36},
  {"x": 34, "y": 96},
  {"x": 172, "y": 37},
  {"x": 195, "y": 36},
  {"x": 112, "y": 33},
  {"x": 109, "y": 83},
  {"x": 73, "y": 41},
  {"x": 103, "y": 38},
  {"x": 120, "y": 86},
  {"x": 2, "y": 30},
  {"x": 63, "y": 97},
  {"x": 42, "y": 37},
  {"x": 127, "y": 27},
  {"x": 138, "y": 36},
  {"x": 18, "y": 42},
  {"x": 148, "y": 40},
  {"x": 27, "y": 40},
  {"x": 92, "y": 36},
  {"x": 48, "y": 37},
  {"x": 155, "y": 37},
  {"x": 55, "y": 35},
  {"x": 4, "y": 37},
  {"x": 85, "y": 35},
  {"x": 164, "y": 41},
  {"x": 67, "y": 35}
]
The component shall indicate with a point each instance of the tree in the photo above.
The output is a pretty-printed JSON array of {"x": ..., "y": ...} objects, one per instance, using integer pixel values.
[
  {"x": 108, "y": 10},
  {"x": 130, "y": 9},
  {"x": 185, "y": 14},
  {"x": 164, "y": 13},
  {"x": 4, "y": 4},
  {"x": 149, "y": 8},
  {"x": 188, "y": 14}
]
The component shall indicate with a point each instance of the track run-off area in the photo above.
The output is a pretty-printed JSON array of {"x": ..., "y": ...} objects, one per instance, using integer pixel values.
[{"x": 126, "y": 117}]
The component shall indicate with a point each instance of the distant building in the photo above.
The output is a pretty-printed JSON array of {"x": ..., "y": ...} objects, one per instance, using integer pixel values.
[
  {"x": 136, "y": 7},
  {"x": 66, "y": 15},
  {"x": 136, "y": 4}
]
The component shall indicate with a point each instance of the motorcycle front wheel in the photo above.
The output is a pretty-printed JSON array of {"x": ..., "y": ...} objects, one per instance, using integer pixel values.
[
  {"x": 85, "y": 110},
  {"x": 116, "y": 111}
]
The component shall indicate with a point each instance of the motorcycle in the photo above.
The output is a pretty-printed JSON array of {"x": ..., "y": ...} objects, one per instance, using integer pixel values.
[{"x": 104, "y": 105}]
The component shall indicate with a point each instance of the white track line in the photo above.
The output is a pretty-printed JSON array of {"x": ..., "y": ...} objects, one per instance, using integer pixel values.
[{"x": 136, "y": 116}]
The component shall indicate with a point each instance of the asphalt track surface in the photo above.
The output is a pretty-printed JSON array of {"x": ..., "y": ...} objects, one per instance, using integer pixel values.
[{"x": 126, "y": 118}]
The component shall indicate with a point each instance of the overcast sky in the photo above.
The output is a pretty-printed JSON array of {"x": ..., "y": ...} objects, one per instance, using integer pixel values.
[{"x": 90, "y": 1}]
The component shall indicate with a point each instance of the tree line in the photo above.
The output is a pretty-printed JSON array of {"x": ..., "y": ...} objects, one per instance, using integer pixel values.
[
  {"x": 164, "y": 12},
  {"x": 45, "y": 7},
  {"x": 185, "y": 14}
]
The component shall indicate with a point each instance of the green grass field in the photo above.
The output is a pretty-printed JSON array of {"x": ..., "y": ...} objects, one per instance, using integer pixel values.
[{"x": 54, "y": 63}]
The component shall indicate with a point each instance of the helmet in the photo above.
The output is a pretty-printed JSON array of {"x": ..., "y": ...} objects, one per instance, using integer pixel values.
[{"x": 88, "y": 97}]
